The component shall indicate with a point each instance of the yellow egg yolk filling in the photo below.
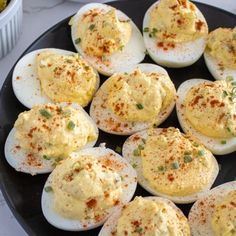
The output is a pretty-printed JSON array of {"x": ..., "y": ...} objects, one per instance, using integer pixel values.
[
  {"x": 139, "y": 96},
  {"x": 102, "y": 33},
  {"x": 176, "y": 164},
  {"x": 210, "y": 108}
]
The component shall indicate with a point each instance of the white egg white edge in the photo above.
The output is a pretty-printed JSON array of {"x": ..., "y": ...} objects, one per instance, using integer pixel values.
[
  {"x": 184, "y": 54},
  {"x": 201, "y": 213},
  {"x": 136, "y": 161},
  {"x": 100, "y": 111},
  {"x": 16, "y": 157},
  {"x": 129, "y": 183},
  {"x": 25, "y": 82},
  {"x": 112, "y": 222},
  {"x": 213, "y": 144},
  {"x": 215, "y": 69},
  {"x": 132, "y": 54}
]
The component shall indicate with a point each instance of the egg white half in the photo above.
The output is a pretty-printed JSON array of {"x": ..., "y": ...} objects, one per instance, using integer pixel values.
[
  {"x": 17, "y": 157},
  {"x": 202, "y": 211},
  {"x": 112, "y": 222},
  {"x": 217, "y": 72},
  {"x": 129, "y": 184},
  {"x": 184, "y": 54},
  {"x": 25, "y": 82},
  {"x": 213, "y": 144},
  {"x": 102, "y": 114},
  {"x": 132, "y": 54},
  {"x": 136, "y": 161}
]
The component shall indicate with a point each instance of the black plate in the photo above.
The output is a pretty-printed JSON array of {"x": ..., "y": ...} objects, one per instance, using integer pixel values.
[{"x": 22, "y": 191}]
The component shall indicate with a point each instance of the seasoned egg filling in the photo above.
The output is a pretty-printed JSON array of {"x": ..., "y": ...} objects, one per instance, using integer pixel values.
[
  {"x": 176, "y": 21},
  {"x": 139, "y": 96},
  {"x": 175, "y": 164},
  {"x": 84, "y": 188},
  {"x": 66, "y": 78},
  {"x": 223, "y": 220},
  {"x": 51, "y": 131},
  {"x": 149, "y": 217},
  {"x": 221, "y": 45},
  {"x": 211, "y": 109},
  {"x": 101, "y": 33}
]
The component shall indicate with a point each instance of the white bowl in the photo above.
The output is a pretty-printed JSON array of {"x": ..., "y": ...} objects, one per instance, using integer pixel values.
[{"x": 10, "y": 26}]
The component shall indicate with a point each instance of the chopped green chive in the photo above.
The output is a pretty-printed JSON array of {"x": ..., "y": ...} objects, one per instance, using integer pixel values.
[
  {"x": 66, "y": 113},
  {"x": 187, "y": 159},
  {"x": 139, "y": 106},
  {"x": 234, "y": 36},
  {"x": 69, "y": 61},
  {"x": 175, "y": 165},
  {"x": 122, "y": 178},
  {"x": 78, "y": 40},
  {"x": 121, "y": 47},
  {"x": 46, "y": 157},
  {"x": 146, "y": 29},
  {"x": 138, "y": 230},
  {"x": 71, "y": 125},
  {"x": 154, "y": 125},
  {"x": 140, "y": 147},
  {"x": 229, "y": 78},
  {"x": 225, "y": 94},
  {"x": 58, "y": 159},
  {"x": 161, "y": 168},
  {"x": 187, "y": 152},
  {"x": 118, "y": 149},
  {"x": 45, "y": 113},
  {"x": 137, "y": 152},
  {"x": 134, "y": 165},
  {"x": 201, "y": 153},
  {"x": 144, "y": 140},
  {"x": 223, "y": 141},
  {"x": 103, "y": 58},
  {"x": 48, "y": 189},
  {"x": 195, "y": 144},
  {"x": 91, "y": 27},
  {"x": 228, "y": 129},
  {"x": 153, "y": 32}
]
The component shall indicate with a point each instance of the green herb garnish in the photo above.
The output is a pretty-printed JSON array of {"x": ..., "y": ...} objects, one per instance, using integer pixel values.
[
  {"x": 139, "y": 106},
  {"x": 71, "y": 125},
  {"x": 118, "y": 149},
  {"x": 153, "y": 33},
  {"x": 201, "y": 153},
  {"x": 121, "y": 47},
  {"x": 161, "y": 168},
  {"x": 195, "y": 144},
  {"x": 140, "y": 147},
  {"x": 92, "y": 26},
  {"x": 175, "y": 165},
  {"x": 187, "y": 158},
  {"x": 48, "y": 189},
  {"x": 234, "y": 36},
  {"x": 225, "y": 94},
  {"x": 134, "y": 165},
  {"x": 69, "y": 61},
  {"x": 78, "y": 40},
  {"x": 146, "y": 29},
  {"x": 144, "y": 140},
  {"x": 45, "y": 113},
  {"x": 137, "y": 152},
  {"x": 229, "y": 78},
  {"x": 46, "y": 157},
  {"x": 138, "y": 230},
  {"x": 187, "y": 152},
  {"x": 223, "y": 141}
]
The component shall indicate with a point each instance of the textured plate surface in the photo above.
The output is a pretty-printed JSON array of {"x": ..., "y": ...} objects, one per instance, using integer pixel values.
[{"x": 22, "y": 191}]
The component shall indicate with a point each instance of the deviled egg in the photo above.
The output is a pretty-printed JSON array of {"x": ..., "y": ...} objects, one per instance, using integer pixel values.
[
  {"x": 207, "y": 110},
  {"x": 147, "y": 216},
  {"x": 83, "y": 190},
  {"x": 171, "y": 164},
  {"x": 174, "y": 32},
  {"x": 107, "y": 38},
  {"x": 220, "y": 53},
  {"x": 54, "y": 75},
  {"x": 214, "y": 214},
  {"x": 133, "y": 100},
  {"x": 46, "y": 134}
]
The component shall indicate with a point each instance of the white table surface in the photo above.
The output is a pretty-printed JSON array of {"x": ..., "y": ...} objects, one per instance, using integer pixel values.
[{"x": 38, "y": 17}]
